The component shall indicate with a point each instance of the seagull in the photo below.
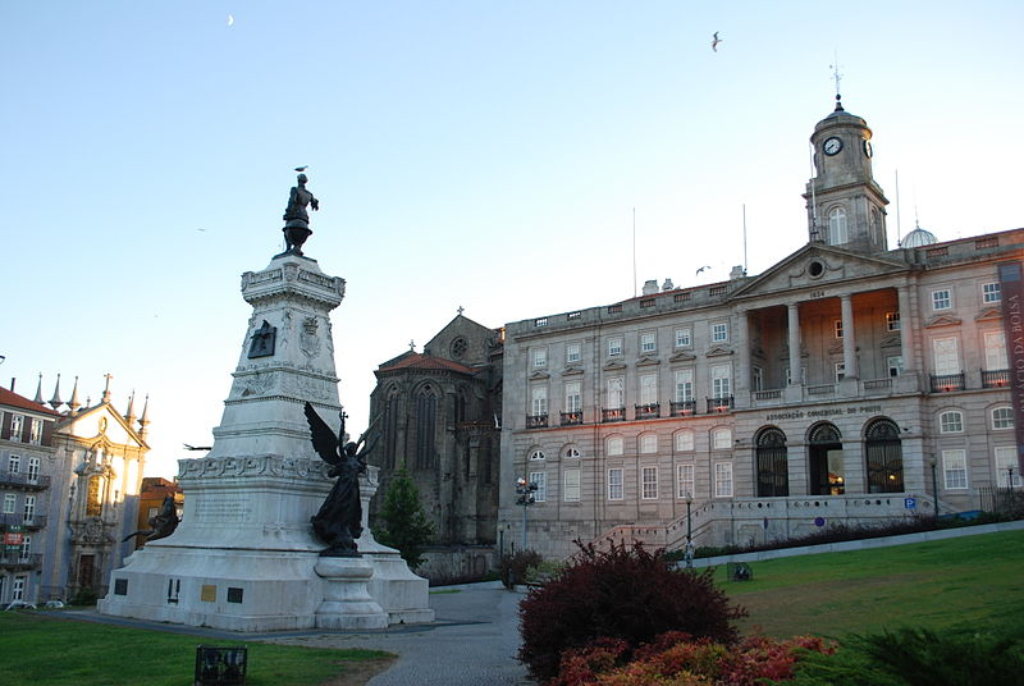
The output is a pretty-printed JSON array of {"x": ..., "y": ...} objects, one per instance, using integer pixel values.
[
  {"x": 715, "y": 42},
  {"x": 302, "y": 168},
  {"x": 707, "y": 266}
]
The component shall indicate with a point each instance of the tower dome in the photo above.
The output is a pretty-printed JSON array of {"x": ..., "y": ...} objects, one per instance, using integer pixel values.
[{"x": 919, "y": 238}]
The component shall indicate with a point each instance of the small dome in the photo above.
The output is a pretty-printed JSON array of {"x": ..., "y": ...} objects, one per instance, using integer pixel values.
[{"x": 919, "y": 238}]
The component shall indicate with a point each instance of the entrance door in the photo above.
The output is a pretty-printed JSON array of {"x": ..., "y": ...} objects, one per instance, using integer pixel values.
[
  {"x": 86, "y": 571},
  {"x": 825, "y": 457}
]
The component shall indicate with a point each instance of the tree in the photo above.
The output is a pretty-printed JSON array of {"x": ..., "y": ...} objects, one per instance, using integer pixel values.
[{"x": 405, "y": 527}]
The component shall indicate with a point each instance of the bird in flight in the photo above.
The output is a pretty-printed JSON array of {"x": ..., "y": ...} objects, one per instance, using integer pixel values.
[
  {"x": 302, "y": 168},
  {"x": 715, "y": 42},
  {"x": 707, "y": 266}
]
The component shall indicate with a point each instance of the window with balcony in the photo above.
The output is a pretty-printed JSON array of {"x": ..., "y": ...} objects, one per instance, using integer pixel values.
[
  {"x": 33, "y": 469},
  {"x": 35, "y": 436},
  {"x": 573, "y": 397},
  {"x": 721, "y": 381},
  {"x": 17, "y": 427},
  {"x": 29, "y": 509},
  {"x": 954, "y": 469},
  {"x": 615, "y": 484},
  {"x": 995, "y": 351},
  {"x": 684, "y": 385}
]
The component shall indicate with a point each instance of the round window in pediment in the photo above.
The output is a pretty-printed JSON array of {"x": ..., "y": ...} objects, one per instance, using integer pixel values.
[
  {"x": 458, "y": 348},
  {"x": 815, "y": 269}
]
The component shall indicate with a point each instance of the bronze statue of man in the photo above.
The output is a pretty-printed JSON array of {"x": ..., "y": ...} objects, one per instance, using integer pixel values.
[{"x": 296, "y": 228}]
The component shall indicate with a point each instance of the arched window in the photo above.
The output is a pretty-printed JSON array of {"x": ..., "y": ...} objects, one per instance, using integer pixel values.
[
  {"x": 684, "y": 441},
  {"x": 951, "y": 422},
  {"x": 1002, "y": 418},
  {"x": 884, "y": 457},
  {"x": 536, "y": 455},
  {"x": 390, "y": 446},
  {"x": 571, "y": 453},
  {"x": 837, "y": 234},
  {"x": 772, "y": 463},
  {"x": 426, "y": 421}
]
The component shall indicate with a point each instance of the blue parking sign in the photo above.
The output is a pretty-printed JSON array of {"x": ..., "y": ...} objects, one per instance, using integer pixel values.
[{"x": 910, "y": 503}]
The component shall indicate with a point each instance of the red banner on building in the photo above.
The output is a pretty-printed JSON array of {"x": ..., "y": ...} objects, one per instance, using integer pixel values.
[{"x": 1011, "y": 288}]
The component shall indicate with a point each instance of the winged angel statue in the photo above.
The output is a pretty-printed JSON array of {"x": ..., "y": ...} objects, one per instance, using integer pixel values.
[{"x": 340, "y": 519}]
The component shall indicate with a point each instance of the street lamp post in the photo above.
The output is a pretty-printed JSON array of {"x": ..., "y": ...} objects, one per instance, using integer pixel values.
[
  {"x": 525, "y": 491},
  {"x": 689, "y": 531},
  {"x": 935, "y": 488}
]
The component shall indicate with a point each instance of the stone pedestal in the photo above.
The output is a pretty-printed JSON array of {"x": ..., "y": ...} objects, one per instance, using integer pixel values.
[
  {"x": 244, "y": 557},
  {"x": 347, "y": 603}
]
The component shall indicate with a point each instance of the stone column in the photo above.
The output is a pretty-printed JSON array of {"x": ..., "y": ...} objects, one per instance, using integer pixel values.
[
  {"x": 906, "y": 330},
  {"x": 794, "y": 344},
  {"x": 849, "y": 338},
  {"x": 744, "y": 374}
]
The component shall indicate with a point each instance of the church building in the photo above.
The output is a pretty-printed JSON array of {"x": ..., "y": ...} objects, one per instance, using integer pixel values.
[{"x": 849, "y": 383}]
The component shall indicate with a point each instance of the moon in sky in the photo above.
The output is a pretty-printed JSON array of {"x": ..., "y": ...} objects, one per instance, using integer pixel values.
[{"x": 231, "y": 20}]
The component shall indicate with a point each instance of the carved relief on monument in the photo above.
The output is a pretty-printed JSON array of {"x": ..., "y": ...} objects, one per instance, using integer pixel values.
[
  {"x": 309, "y": 338},
  {"x": 259, "y": 383}
]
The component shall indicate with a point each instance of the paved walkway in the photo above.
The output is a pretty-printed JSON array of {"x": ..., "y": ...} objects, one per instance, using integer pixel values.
[{"x": 472, "y": 642}]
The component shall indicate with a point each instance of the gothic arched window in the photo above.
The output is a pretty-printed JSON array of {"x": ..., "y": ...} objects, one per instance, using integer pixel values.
[{"x": 426, "y": 420}]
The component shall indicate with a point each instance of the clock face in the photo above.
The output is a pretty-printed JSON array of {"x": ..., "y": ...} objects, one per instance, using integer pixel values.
[
  {"x": 867, "y": 148},
  {"x": 833, "y": 146}
]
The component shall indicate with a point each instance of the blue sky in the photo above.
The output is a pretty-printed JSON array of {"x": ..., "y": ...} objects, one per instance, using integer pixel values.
[{"x": 478, "y": 154}]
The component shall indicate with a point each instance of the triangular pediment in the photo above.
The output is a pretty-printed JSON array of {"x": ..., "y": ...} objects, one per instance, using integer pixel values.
[
  {"x": 102, "y": 423},
  {"x": 941, "y": 320},
  {"x": 989, "y": 313},
  {"x": 817, "y": 266},
  {"x": 891, "y": 342},
  {"x": 718, "y": 351},
  {"x": 647, "y": 361},
  {"x": 614, "y": 366},
  {"x": 536, "y": 376},
  {"x": 682, "y": 356},
  {"x": 572, "y": 371}
]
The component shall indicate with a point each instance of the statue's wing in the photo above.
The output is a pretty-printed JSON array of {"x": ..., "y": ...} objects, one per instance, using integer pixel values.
[{"x": 325, "y": 443}]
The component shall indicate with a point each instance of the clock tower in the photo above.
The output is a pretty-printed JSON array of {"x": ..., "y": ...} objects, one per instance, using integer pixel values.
[{"x": 845, "y": 207}]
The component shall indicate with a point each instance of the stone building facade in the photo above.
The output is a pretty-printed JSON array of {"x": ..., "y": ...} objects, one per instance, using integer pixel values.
[
  {"x": 70, "y": 483},
  {"x": 848, "y": 383},
  {"x": 438, "y": 414}
]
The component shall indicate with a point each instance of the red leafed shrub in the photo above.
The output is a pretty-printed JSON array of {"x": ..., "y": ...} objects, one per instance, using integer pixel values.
[
  {"x": 676, "y": 659},
  {"x": 623, "y": 593}
]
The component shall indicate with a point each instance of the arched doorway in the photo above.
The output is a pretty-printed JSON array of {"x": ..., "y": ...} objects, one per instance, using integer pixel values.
[
  {"x": 825, "y": 460},
  {"x": 884, "y": 452},
  {"x": 772, "y": 463}
]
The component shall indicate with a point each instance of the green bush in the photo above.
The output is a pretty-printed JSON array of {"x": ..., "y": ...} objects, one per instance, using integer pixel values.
[
  {"x": 85, "y": 596},
  {"x": 513, "y": 568}
]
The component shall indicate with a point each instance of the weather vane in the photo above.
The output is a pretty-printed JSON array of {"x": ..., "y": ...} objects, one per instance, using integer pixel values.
[{"x": 837, "y": 77}]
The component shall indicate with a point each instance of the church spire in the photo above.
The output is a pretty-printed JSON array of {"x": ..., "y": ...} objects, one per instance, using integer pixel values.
[
  {"x": 73, "y": 404},
  {"x": 106, "y": 390},
  {"x": 144, "y": 420},
  {"x": 129, "y": 416},
  {"x": 55, "y": 401},
  {"x": 38, "y": 400}
]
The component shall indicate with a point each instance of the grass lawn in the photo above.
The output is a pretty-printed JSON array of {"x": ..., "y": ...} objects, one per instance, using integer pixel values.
[
  {"x": 41, "y": 650},
  {"x": 974, "y": 582}
]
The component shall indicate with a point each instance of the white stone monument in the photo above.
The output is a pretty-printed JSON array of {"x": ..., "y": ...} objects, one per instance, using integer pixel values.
[{"x": 244, "y": 556}]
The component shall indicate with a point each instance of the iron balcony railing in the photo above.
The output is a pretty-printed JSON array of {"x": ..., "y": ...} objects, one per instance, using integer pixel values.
[
  {"x": 572, "y": 418},
  {"x": 33, "y": 522},
  {"x": 947, "y": 383},
  {"x": 614, "y": 414},
  {"x": 17, "y": 560},
  {"x": 536, "y": 421},
  {"x": 997, "y": 378},
  {"x": 24, "y": 480},
  {"x": 683, "y": 408},
  {"x": 720, "y": 405},
  {"x": 647, "y": 411}
]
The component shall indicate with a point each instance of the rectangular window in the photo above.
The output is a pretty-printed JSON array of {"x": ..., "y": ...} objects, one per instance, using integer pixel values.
[
  {"x": 33, "y": 469},
  {"x": 1006, "y": 464},
  {"x": 892, "y": 321},
  {"x": 720, "y": 332},
  {"x": 721, "y": 439},
  {"x": 947, "y": 356},
  {"x": 995, "y": 351},
  {"x": 541, "y": 479},
  {"x": 684, "y": 385},
  {"x": 18, "y": 588},
  {"x": 35, "y": 436},
  {"x": 757, "y": 375},
  {"x": 9, "y": 503},
  {"x": 789, "y": 375},
  {"x": 540, "y": 357},
  {"x": 573, "y": 398},
  {"x": 951, "y": 422},
  {"x": 721, "y": 381},
  {"x": 616, "y": 399},
  {"x": 991, "y": 293},
  {"x": 26, "y": 549},
  {"x": 723, "y": 480},
  {"x": 838, "y": 326},
  {"x": 30, "y": 508},
  {"x": 895, "y": 363},
  {"x": 615, "y": 446},
  {"x": 648, "y": 389},
  {"x": 840, "y": 371},
  {"x": 942, "y": 299},
  {"x": 539, "y": 401},
  {"x": 614, "y": 347},
  {"x": 571, "y": 485},
  {"x": 954, "y": 468},
  {"x": 573, "y": 353},
  {"x": 1002, "y": 418},
  {"x": 683, "y": 338},
  {"x": 615, "y": 484},
  {"x": 684, "y": 480},
  {"x": 650, "y": 483},
  {"x": 14, "y": 464},
  {"x": 649, "y": 443},
  {"x": 648, "y": 342},
  {"x": 684, "y": 441},
  {"x": 17, "y": 427}
]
